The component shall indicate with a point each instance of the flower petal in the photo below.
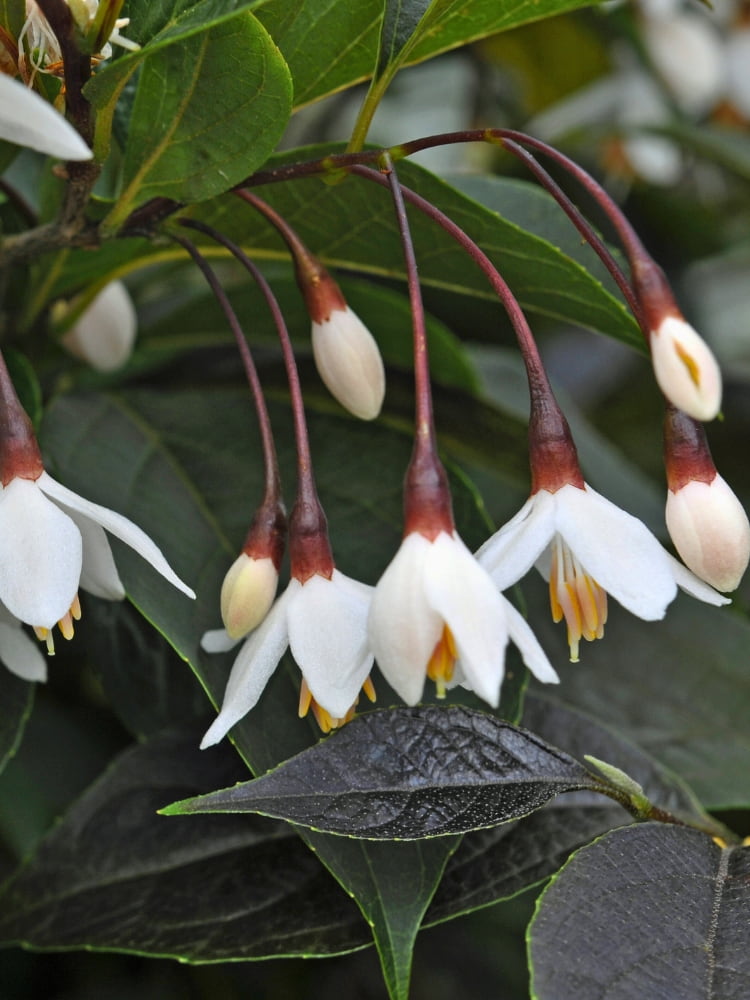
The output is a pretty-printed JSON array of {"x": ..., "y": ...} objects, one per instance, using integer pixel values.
[
  {"x": 218, "y": 640},
  {"x": 617, "y": 550},
  {"x": 20, "y": 654},
  {"x": 469, "y": 603},
  {"x": 256, "y": 661},
  {"x": 26, "y": 119},
  {"x": 694, "y": 586},
  {"x": 328, "y": 639},
  {"x": 99, "y": 574},
  {"x": 511, "y": 552},
  {"x": 402, "y": 626},
  {"x": 40, "y": 555},
  {"x": 117, "y": 525},
  {"x": 528, "y": 645}
]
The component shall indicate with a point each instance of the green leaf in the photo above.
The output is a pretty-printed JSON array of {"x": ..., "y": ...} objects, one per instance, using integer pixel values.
[
  {"x": 647, "y": 911},
  {"x": 408, "y": 773},
  {"x": 678, "y": 688},
  {"x": 330, "y": 44},
  {"x": 114, "y": 875},
  {"x": 155, "y": 25},
  {"x": 351, "y": 225},
  {"x": 195, "y": 106},
  {"x": 400, "y": 22}
]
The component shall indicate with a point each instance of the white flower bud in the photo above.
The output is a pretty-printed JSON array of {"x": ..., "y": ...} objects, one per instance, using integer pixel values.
[
  {"x": 685, "y": 368},
  {"x": 104, "y": 333},
  {"x": 349, "y": 362},
  {"x": 710, "y": 530},
  {"x": 687, "y": 53},
  {"x": 247, "y": 594}
]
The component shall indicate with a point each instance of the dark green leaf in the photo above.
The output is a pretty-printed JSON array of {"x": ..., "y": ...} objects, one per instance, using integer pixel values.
[
  {"x": 400, "y": 21},
  {"x": 408, "y": 773},
  {"x": 206, "y": 112},
  {"x": 16, "y": 700},
  {"x": 113, "y": 875},
  {"x": 647, "y": 911}
]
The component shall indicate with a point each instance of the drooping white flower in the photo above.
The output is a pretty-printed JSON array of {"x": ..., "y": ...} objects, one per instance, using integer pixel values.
[
  {"x": 349, "y": 362},
  {"x": 324, "y": 623},
  {"x": 688, "y": 54},
  {"x": 26, "y": 119},
  {"x": 104, "y": 333},
  {"x": 710, "y": 530},
  {"x": 587, "y": 547},
  {"x": 18, "y": 652},
  {"x": 435, "y": 605},
  {"x": 685, "y": 368},
  {"x": 51, "y": 542}
]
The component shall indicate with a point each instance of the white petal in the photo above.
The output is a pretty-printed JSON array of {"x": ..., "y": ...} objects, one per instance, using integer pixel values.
[
  {"x": 402, "y": 627},
  {"x": 617, "y": 550},
  {"x": 256, "y": 661},
  {"x": 690, "y": 583},
  {"x": 468, "y": 601},
  {"x": 118, "y": 525},
  {"x": 99, "y": 574},
  {"x": 511, "y": 552},
  {"x": 328, "y": 639},
  {"x": 528, "y": 645},
  {"x": 26, "y": 119},
  {"x": 104, "y": 333},
  {"x": 20, "y": 654},
  {"x": 40, "y": 555},
  {"x": 218, "y": 640}
]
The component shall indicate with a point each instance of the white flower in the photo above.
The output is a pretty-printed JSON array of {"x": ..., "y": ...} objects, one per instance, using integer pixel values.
[
  {"x": 349, "y": 362},
  {"x": 51, "y": 542},
  {"x": 18, "y": 652},
  {"x": 435, "y": 605},
  {"x": 710, "y": 530},
  {"x": 324, "y": 623},
  {"x": 685, "y": 368},
  {"x": 587, "y": 548},
  {"x": 26, "y": 119},
  {"x": 104, "y": 333}
]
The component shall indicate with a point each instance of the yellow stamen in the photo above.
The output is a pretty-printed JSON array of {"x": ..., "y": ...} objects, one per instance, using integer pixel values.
[
  {"x": 575, "y": 596},
  {"x": 326, "y": 721},
  {"x": 442, "y": 663},
  {"x": 65, "y": 625},
  {"x": 690, "y": 363}
]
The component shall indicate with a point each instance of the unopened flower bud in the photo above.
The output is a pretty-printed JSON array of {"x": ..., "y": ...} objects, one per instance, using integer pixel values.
[
  {"x": 104, "y": 334},
  {"x": 685, "y": 368},
  {"x": 247, "y": 594},
  {"x": 349, "y": 362},
  {"x": 710, "y": 530}
]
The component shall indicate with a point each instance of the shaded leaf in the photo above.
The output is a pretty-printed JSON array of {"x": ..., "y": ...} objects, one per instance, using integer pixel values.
[
  {"x": 351, "y": 225},
  {"x": 647, "y": 911},
  {"x": 195, "y": 106},
  {"x": 113, "y": 875},
  {"x": 408, "y": 773},
  {"x": 16, "y": 701},
  {"x": 400, "y": 21}
]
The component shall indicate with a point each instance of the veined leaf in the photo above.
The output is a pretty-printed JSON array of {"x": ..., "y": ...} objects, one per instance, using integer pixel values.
[
  {"x": 647, "y": 911},
  {"x": 408, "y": 773}
]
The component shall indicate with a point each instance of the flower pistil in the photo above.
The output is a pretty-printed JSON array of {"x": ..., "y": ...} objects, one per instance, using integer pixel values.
[{"x": 442, "y": 663}]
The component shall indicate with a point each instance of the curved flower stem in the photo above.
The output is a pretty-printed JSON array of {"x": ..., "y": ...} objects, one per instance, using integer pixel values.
[
  {"x": 272, "y": 494},
  {"x": 309, "y": 543},
  {"x": 427, "y": 501},
  {"x": 547, "y": 419}
]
